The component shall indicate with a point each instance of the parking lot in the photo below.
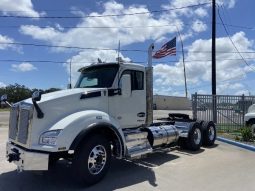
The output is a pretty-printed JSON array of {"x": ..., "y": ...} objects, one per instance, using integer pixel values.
[{"x": 222, "y": 167}]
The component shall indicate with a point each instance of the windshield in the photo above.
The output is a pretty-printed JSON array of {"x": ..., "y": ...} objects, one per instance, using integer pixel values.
[{"x": 97, "y": 76}]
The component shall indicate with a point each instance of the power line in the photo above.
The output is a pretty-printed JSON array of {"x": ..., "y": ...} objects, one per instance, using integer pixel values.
[
  {"x": 112, "y": 49},
  {"x": 95, "y": 27},
  {"x": 108, "y": 15},
  {"x": 221, "y": 81},
  {"x": 137, "y": 62},
  {"x": 225, "y": 28},
  {"x": 127, "y": 27}
]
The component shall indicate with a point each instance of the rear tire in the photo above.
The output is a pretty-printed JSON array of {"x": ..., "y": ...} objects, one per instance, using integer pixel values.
[
  {"x": 182, "y": 142},
  {"x": 194, "y": 140},
  {"x": 92, "y": 160},
  {"x": 209, "y": 134}
]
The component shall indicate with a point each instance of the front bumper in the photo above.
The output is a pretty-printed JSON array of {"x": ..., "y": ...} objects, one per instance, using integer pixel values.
[{"x": 26, "y": 160}]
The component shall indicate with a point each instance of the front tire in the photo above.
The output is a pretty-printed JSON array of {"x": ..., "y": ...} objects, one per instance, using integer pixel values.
[{"x": 92, "y": 160}]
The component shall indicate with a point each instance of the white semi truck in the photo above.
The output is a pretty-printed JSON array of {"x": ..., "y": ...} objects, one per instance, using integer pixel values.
[{"x": 107, "y": 114}]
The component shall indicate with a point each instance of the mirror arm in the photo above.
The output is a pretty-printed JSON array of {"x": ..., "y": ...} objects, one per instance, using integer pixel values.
[
  {"x": 40, "y": 114},
  {"x": 8, "y": 103}
]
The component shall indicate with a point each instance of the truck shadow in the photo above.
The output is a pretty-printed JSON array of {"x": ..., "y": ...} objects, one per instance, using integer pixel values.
[
  {"x": 190, "y": 153},
  {"x": 122, "y": 173}
]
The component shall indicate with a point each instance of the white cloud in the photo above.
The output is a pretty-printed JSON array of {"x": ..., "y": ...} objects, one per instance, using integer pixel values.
[
  {"x": 200, "y": 91},
  {"x": 242, "y": 92},
  {"x": 228, "y": 3},
  {"x": 227, "y": 87},
  {"x": 2, "y": 85},
  {"x": 199, "y": 26},
  {"x": 46, "y": 34},
  {"x": 236, "y": 88},
  {"x": 18, "y": 7},
  {"x": 107, "y": 37},
  {"x": 5, "y": 39},
  {"x": 23, "y": 67},
  {"x": 201, "y": 12},
  {"x": 76, "y": 11},
  {"x": 229, "y": 66}
]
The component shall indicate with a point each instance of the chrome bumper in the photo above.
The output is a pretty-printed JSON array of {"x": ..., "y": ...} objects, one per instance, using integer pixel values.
[{"x": 26, "y": 160}]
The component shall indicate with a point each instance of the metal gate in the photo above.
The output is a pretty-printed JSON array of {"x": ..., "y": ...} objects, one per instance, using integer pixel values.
[{"x": 230, "y": 109}]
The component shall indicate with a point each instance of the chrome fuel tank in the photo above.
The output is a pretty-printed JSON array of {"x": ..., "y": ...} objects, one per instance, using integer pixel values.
[{"x": 164, "y": 135}]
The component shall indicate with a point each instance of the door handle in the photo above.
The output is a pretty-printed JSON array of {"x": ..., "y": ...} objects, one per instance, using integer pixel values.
[{"x": 141, "y": 114}]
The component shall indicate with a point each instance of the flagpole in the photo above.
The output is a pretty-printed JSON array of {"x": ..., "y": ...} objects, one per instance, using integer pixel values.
[
  {"x": 184, "y": 68},
  {"x": 119, "y": 53},
  {"x": 70, "y": 65},
  {"x": 118, "y": 60}
]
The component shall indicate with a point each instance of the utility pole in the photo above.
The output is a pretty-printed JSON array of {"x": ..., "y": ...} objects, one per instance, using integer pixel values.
[{"x": 214, "y": 93}]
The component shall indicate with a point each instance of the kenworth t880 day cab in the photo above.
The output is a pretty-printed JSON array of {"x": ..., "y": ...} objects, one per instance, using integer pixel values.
[{"x": 107, "y": 114}]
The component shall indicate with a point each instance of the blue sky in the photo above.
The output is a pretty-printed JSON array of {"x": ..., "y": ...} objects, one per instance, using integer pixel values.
[{"x": 234, "y": 76}]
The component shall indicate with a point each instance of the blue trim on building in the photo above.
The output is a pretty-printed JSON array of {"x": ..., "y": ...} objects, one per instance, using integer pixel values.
[{"x": 242, "y": 145}]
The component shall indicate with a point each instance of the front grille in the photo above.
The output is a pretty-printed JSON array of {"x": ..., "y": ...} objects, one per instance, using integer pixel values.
[
  {"x": 20, "y": 118},
  {"x": 13, "y": 122},
  {"x": 23, "y": 126}
]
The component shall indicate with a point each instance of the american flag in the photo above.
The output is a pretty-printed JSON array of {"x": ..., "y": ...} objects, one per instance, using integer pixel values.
[{"x": 167, "y": 49}]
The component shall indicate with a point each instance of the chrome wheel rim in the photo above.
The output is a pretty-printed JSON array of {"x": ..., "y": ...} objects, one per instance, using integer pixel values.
[
  {"x": 197, "y": 136},
  {"x": 211, "y": 133},
  {"x": 97, "y": 159}
]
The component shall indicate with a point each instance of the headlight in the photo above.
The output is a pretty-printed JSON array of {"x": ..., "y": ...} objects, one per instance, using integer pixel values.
[{"x": 49, "y": 137}]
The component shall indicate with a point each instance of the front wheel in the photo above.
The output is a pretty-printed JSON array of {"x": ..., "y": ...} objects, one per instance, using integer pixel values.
[{"x": 92, "y": 160}]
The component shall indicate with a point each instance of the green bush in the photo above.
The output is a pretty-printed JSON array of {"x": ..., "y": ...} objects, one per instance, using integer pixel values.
[
  {"x": 237, "y": 138},
  {"x": 246, "y": 133}
]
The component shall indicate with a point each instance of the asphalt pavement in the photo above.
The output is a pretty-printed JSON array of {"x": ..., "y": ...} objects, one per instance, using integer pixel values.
[
  {"x": 219, "y": 168},
  {"x": 4, "y": 118}
]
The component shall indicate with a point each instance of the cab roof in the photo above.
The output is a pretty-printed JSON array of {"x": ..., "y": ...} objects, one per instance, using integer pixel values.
[{"x": 126, "y": 65}]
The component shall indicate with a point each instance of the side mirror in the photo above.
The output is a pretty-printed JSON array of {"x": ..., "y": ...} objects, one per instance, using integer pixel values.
[
  {"x": 4, "y": 98},
  {"x": 126, "y": 85},
  {"x": 36, "y": 96}
]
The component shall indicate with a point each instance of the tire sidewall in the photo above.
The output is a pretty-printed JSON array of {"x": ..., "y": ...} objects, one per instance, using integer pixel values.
[
  {"x": 80, "y": 161},
  {"x": 207, "y": 141},
  {"x": 191, "y": 142}
]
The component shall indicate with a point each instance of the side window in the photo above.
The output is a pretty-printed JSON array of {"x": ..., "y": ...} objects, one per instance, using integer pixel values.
[
  {"x": 137, "y": 79},
  {"x": 138, "y": 85}
]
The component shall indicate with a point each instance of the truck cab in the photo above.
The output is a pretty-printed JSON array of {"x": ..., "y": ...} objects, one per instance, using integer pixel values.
[{"x": 107, "y": 114}]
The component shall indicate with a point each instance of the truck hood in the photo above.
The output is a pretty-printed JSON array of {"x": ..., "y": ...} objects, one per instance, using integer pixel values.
[{"x": 64, "y": 93}]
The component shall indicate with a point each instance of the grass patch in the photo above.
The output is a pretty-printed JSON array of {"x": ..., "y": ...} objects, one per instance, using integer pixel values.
[
  {"x": 4, "y": 109},
  {"x": 236, "y": 133}
]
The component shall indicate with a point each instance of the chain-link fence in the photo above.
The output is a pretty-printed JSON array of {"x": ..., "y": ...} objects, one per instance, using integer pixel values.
[{"x": 230, "y": 110}]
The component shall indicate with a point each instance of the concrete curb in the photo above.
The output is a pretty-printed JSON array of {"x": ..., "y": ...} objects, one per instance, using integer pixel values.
[{"x": 242, "y": 145}]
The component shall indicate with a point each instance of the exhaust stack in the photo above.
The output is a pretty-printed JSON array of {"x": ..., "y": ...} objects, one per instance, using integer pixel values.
[{"x": 149, "y": 87}]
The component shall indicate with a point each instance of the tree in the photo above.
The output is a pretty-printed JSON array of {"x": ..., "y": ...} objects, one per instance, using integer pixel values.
[{"x": 18, "y": 92}]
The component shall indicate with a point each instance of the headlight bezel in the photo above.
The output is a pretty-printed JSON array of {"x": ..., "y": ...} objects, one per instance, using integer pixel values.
[{"x": 50, "y": 137}]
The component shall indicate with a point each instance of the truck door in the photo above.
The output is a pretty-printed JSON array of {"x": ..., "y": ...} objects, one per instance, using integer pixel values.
[{"x": 130, "y": 111}]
